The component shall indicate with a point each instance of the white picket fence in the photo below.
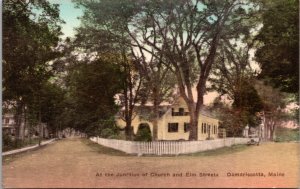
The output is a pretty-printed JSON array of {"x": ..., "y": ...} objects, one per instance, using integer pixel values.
[{"x": 168, "y": 147}]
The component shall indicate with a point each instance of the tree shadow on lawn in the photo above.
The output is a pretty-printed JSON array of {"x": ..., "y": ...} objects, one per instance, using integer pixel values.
[
  {"x": 104, "y": 150},
  {"x": 221, "y": 151}
]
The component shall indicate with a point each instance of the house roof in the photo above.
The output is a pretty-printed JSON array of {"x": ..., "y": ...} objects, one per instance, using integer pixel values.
[
  {"x": 165, "y": 106},
  {"x": 207, "y": 112}
]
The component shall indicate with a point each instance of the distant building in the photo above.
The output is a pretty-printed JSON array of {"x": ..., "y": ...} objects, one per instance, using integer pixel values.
[
  {"x": 8, "y": 124},
  {"x": 9, "y": 127},
  {"x": 173, "y": 123}
]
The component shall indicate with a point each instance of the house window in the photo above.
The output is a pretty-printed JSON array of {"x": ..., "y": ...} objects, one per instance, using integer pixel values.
[
  {"x": 186, "y": 127},
  {"x": 160, "y": 112},
  {"x": 204, "y": 128},
  {"x": 181, "y": 111},
  {"x": 6, "y": 120},
  {"x": 172, "y": 127}
]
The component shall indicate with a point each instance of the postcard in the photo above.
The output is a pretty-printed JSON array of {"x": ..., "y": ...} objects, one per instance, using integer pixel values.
[{"x": 150, "y": 94}]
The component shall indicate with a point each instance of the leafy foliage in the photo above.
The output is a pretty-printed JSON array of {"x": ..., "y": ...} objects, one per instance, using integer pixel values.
[
  {"x": 233, "y": 120},
  {"x": 47, "y": 106},
  {"x": 287, "y": 135},
  {"x": 278, "y": 54},
  {"x": 90, "y": 103},
  {"x": 233, "y": 77},
  {"x": 143, "y": 133},
  {"x": 184, "y": 35},
  {"x": 274, "y": 103},
  {"x": 104, "y": 32},
  {"x": 29, "y": 40},
  {"x": 12, "y": 144},
  {"x": 31, "y": 31}
]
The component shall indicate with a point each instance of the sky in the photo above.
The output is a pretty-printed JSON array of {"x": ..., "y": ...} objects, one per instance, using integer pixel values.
[{"x": 70, "y": 15}]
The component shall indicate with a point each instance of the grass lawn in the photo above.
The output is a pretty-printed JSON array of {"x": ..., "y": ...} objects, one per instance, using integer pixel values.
[
  {"x": 222, "y": 151},
  {"x": 102, "y": 149},
  {"x": 9, "y": 144}
]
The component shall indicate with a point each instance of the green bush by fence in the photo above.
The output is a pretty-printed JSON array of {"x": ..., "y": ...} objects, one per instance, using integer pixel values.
[{"x": 287, "y": 135}]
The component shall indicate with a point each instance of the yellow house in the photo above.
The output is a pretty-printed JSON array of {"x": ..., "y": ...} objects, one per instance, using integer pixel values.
[{"x": 174, "y": 122}]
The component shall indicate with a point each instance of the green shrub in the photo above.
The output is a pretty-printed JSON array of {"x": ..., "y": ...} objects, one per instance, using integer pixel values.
[
  {"x": 286, "y": 134},
  {"x": 116, "y": 136},
  {"x": 107, "y": 133},
  {"x": 143, "y": 133},
  {"x": 12, "y": 144},
  {"x": 8, "y": 143}
]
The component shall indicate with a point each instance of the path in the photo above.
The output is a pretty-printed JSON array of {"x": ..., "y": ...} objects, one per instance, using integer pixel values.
[{"x": 72, "y": 163}]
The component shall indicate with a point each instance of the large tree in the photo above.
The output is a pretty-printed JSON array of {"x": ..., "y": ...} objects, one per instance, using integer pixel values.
[
  {"x": 158, "y": 85},
  {"x": 278, "y": 54},
  {"x": 186, "y": 33},
  {"x": 97, "y": 35},
  {"x": 233, "y": 75},
  {"x": 45, "y": 107},
  {"x": 30, "y": 34},
  {"x": 273, "y": 113},
  {"x": 90, "y": 102}
]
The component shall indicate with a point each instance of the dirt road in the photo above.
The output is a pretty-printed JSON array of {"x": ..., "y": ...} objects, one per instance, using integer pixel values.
[{"x": 77, "y": 163}]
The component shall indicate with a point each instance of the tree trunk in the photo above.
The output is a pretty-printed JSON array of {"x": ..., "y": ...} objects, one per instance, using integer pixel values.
[
  {"x": 193, "y": 128},
  {"x": 271, "y": 134},
  {"x": 29, "y": 132},
  {"x": 263, "y": 127},
  {"x": 272, "y": 131},
  {"x": 21, "y": 128},
  {"x": 128, "y": 130},
  {"x": 194, "y": 115},
  {"x": 155, "y": 124},
  {"x": 24, "y": 123},
  {"x": 40, "y": 125},
  {"x": 156, "y": 113},
  {"x": 18, "y": 119},
  {"x": 128, "y": 120},
  {"x": 195, "y": 109},
  {"x": 56, "y": 133},
  {"x": 269, "y": 128},
  {"x": 266, "y": 130}
]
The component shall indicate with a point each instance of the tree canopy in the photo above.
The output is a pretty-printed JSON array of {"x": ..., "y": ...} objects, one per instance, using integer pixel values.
[
  {"x": 90, "y": 103},
  {"x": 186, "y": 34},
  {"x": 142, "y": 50},
  {"x": 278, "y": 54},
  {"x": 29, "y": 41},
  {"x": 31, "y": 31}
]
